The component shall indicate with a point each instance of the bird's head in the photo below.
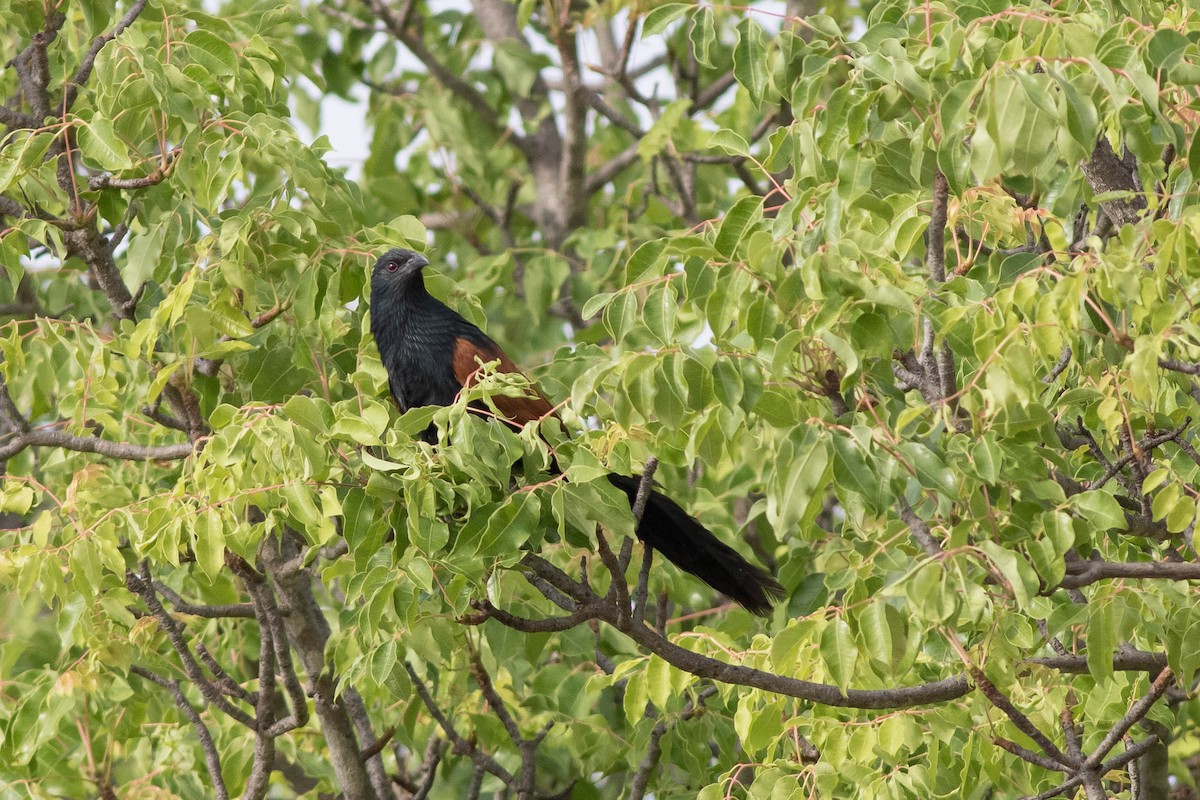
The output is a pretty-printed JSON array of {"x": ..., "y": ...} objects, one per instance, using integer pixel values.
[{"x": 397, "y": 269}]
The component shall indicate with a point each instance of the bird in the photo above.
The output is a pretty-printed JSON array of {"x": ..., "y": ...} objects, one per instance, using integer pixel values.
[{"x": 431, "y": 353}]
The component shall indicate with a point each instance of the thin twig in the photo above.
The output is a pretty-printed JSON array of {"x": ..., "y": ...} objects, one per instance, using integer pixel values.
[
  {"x": 212, "y": 758},
  {"x": 460, "y": 744},
  {"x": 1135, "y": 714}
]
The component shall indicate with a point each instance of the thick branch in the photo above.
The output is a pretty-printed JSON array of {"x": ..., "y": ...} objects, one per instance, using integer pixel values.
[
  {"x": 1084, "y": 573},
  {"x": 1106, "y": 172},
  {"x": 92, "y": 444},
  {"x": 935, "y": 253},
  {"x": 1135, "y": 661},
  {"x": 574, "y": 151},
  {"x": 238, "y": 610},
  {"x": 308, "y": 631}
]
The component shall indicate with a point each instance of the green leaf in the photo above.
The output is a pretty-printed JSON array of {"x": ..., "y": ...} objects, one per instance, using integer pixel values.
[
  {"x": 1166, "y": 48},
  {"x": 750, "y": 59},
  {"x": 658, "y": 19},
  {"x": 510, "y": 526},
  {"x": 729, "y": 141},
  {"x": 211, "y": 52},
  {"x": 1100, "y": 509},
  {"x": 839, "y": 652},
  {"x": 735, "y": 223},
  {"x": 704, "y": 36},
  {"x": 660, "y": 134},
  {"x": 209, "y": 543},
  {"x": 101, "y": 145},
  {"x": 380, "y": 464}
]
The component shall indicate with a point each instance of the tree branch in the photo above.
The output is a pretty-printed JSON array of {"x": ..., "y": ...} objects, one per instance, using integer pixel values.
[
  {"x": 308, "y": 631},
  {"x": 608, "y": 609},
  {"x": 212, "y": 759},
  {"x": 1108, "y": 766},
  {"x": 91, "y": 444},
  {"x": 461, "y": 745},
  {"x": 1106, "y": 172},
  {"x": 1021, "y": 721},
  {"x": 142, "y": 586},
  {"x": 84, "y": 71},
  {"x": 1135, "y": 661},
  {"x": 1083, "y": 573},
  {"x": 1135, "y": 714},
  {"x": 919, "y": 529},
  {"x": 238, "y": 610}
]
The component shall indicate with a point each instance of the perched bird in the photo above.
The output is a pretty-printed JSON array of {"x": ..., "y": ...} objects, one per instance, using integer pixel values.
[{"x": 431, "y": 353}]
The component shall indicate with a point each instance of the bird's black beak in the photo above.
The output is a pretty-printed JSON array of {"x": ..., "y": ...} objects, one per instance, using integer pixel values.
[{"x": 419, "y": 261}]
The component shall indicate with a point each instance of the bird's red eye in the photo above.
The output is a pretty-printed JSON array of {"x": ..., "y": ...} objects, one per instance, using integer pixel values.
[{"x": 392, "y": 266}]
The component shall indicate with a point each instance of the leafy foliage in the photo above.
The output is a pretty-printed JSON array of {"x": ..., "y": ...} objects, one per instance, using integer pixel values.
[{"x": 899, "y": 299}]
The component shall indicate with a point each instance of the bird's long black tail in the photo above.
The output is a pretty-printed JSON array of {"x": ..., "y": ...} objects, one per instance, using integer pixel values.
[{"x": 693, "y": 548}]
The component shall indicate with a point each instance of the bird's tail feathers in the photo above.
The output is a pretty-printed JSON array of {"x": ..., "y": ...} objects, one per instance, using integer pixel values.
[{"x": 694, "y": 549}]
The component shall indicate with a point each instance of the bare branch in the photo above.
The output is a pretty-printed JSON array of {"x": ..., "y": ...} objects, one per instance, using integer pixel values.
[
  {"x": 1083, "y": 573},
  {"x": 919, "y": 529},
  {"x": 1028, "y": 755},
  {"x": 142, "y": 586},
  {"x": 1135, "y": 714},
  {"x": 264, "y": 734},
  {"x": 935, "y": 253},
  {"x": 89, "y": 245},
  {"x": 1022, "y": 722},
  {"x": 645, "y": 487},
  {"x": 575, "y": 140},
  {"x": 153, "y": 179},
  {"x": 1129, "y": 661},
  {"x": 239, "y": 610},
  {"x": 91, "y": 444},
  {"x": 17, "y": 119},
  {"x": 1175, "y": 365},
  {"x": 84, "y": 70},
  {"x": 222, "y": 678},
  {"x": 1063, "y": 362},
  {"x": 609, "y": 610},
  {"x": 308, "y": 631},
  {"x": 461, "y": 745},
  {"x": 212, "y": 759},
  {"x": 1106, "y": 172},
  {"x": 603, "y": 174},
  {"x": 552, "y": 625},
  {"x": 12, "y": 417},
  {"x": 429, "y": 765}
]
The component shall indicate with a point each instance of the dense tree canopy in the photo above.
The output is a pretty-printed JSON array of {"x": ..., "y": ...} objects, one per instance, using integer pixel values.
[{"x": 899, "y": 299}]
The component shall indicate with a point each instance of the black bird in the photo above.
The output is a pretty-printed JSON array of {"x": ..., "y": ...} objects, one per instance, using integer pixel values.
[{"x": 431, "y": 353}]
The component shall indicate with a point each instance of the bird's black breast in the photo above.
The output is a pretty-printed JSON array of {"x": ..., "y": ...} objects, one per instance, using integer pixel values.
[{"x": 417, "y": 339}]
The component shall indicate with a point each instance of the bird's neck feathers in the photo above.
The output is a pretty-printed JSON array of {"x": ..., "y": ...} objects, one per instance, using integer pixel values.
[{"x": 408, "y": 314}]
